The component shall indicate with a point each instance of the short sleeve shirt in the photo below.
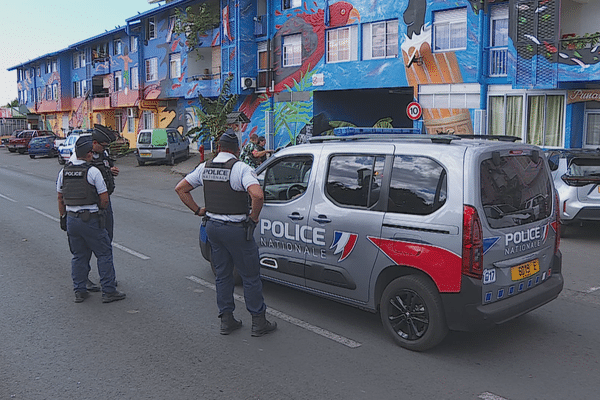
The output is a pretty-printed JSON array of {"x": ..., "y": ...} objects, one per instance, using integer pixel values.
[
  {"x": 94, "y": 177},
  {"x": 242, "y": 176}
]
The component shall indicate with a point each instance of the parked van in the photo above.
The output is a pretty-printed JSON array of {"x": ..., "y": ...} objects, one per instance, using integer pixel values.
[{"x": 161, "y": 145}]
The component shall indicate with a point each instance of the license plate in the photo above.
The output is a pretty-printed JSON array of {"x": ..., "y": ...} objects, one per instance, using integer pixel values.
[
  {"x": 145, "y": 154},
  {"x": 525, "y": 270}
]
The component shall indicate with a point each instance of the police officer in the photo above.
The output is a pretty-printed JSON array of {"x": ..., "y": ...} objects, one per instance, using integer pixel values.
[
  {"x": 102, "y": 160},
  {"x": 81, "y": 195},
  {"x": 228, "y": 185}
]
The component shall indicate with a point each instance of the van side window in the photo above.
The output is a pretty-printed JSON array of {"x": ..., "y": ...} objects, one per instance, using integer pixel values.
[
  {"x": 145, "y": 138},
  {"x": 286, "y": 179},
  {"x": 418, "y": 186},
  {"x": 355, "y": 180}
]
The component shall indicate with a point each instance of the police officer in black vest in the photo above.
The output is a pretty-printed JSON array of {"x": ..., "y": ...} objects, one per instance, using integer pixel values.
[
  {"x": 101, "y": 139},
  {"x": 229, "y": 184},
  {"x": 82, "y": 195}
]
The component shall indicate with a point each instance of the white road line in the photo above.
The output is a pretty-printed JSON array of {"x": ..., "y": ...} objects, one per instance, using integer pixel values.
[
  {"x": 117, "y": 245},
  {"x": 132, "y": 252},
  {"x": 295, "y": 321},
  {"x": 53, "y": 218},
  {"x": 7, "y": 198},
  {"x": 592, "y": 289},
  {"x": 490, "y": 396}
]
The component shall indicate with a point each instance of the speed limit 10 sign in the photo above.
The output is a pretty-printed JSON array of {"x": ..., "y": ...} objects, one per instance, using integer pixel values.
[{"x": 414, "y": 110}]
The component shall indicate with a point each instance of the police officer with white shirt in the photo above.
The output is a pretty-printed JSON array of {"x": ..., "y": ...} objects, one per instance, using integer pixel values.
[
  {"x": 228, "y": 185},
  {"x": 82, "y": 196}
]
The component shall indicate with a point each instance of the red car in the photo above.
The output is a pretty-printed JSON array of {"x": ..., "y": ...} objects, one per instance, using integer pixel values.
[{"x": 20, "y": 142}]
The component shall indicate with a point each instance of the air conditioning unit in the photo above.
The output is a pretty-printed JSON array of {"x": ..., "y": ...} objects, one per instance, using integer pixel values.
[{"x": 248, "y": 83}]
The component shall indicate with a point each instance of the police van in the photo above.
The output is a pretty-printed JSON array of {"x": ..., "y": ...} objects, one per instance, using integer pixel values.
[{"x": 434, "y": 232}]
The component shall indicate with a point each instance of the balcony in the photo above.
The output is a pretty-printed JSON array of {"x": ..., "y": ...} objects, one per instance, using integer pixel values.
[
  {"x": 101, "y": 102},
  {"x": 570, "y": 41},
  {"x": 498, "y": 61}
]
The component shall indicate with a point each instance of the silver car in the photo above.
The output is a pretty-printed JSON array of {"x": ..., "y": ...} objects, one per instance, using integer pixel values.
[
  {"x": 576, "y": 174},
  {"x": 432, "y": 232}
]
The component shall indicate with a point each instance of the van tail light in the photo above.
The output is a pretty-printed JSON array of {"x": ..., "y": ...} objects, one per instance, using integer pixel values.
[
  {"x": 167, "y": 151},
  {"x": 472, "y": 250},
  {"x": 557, "y": 208}
]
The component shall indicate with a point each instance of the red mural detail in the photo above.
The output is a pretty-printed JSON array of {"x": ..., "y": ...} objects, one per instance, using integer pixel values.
[
  {"x": 192, "y": 89},
  {"x": 175, "y": 86},
  {"x": 443, "y": 266},
  {"x": 278, "y": 13},
  {"x": 175, "y": 44}
]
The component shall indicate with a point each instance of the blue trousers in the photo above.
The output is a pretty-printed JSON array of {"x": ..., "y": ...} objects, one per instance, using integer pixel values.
[
  {"x": 230, "y": 248},
  {"x": 86, "y": 238}
]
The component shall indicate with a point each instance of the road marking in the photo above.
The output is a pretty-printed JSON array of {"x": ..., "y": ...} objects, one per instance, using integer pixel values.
[
  {"x": 132, "y": 252},
  {"x": 53, "y": 218},
  {"x": 117, "y": 245},
  {"x": 7, "y": 198},
  {"x": 592, "y": 289},
  {"x": 490, "y": 396},
  {"x": 295, "y": 321}
]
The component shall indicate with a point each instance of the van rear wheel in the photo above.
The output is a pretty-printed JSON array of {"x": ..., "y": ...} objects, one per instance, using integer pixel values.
[
  {"x": 412, "y": 313},
  {"x": 172, "y": 159}
]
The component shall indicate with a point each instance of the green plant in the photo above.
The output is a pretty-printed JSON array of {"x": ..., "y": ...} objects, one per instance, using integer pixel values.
[
  {"x": 212, "y": 115},
  {"x": 195, "y": 25}
]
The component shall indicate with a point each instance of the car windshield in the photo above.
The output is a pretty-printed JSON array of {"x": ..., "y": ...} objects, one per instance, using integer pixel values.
[{"x": 515, "y": 190}]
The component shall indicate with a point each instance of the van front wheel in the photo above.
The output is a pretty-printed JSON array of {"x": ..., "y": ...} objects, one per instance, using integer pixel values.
[{"x": 412, "y": 313}]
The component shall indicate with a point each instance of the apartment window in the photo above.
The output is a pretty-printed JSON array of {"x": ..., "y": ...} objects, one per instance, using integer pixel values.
[
  {"x": 54, "y": 66},
  {"x": 131, "y": 119},
  {"x": 545, "y": 119},
  {"x": 38, "y": 70},
  {"x": 119, "y": 120},
  {"x": 498, "y": 40},
  {"x": 263, "y": 65},
  {"x": 151, "y": 69},
  {"x": 450, "y": 30},
  {"x": 55, "y": 91},
  {"x": 172, "y": 21},
  {"x": 287, "y": 4},
  {"x": 40, "y": 94},
  {"x": 380, "y": 39},
  {"x": 292, "y": 50},
  {"x": 117, "y": 47},
  {"x": 48, "y": 92},
  {"x": 118, "y": 81},
  {"x": 151, "y": 29},
  {"x": 133, "y": 44},
  {"x": 78, "y": 60},
  {"x": 175, "y": 65},
  {"x": 48, "y": 66},
  {"x": 76, "y": 89},
  {"x": 135, "y": 83},
  {"x": 342, "y": 44},
  {"x": 148, "y": 119}
]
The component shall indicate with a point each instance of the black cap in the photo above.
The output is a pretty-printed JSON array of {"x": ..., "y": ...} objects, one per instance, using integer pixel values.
[
  {"x": 102, "y": 134},
  {"x": 229, "y": 137},
  {"x": 83, "y": 146}
]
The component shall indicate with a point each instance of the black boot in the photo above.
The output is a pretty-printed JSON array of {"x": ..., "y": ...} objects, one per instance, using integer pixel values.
[
  {"x": 229, "y": 324},
  {"x": 260, "y": 325}
]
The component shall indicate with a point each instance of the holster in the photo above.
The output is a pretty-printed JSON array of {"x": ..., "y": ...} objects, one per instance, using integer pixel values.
[{"x": 249, "y": 227}]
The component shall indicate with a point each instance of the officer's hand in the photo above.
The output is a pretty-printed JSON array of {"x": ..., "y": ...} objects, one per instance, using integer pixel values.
[
  {"x": 114, "y": 171},
  {"x": 63, "y": 222}
]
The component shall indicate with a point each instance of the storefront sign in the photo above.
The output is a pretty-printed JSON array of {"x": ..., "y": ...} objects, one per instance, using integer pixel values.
[{"x": 579, "y": 95}]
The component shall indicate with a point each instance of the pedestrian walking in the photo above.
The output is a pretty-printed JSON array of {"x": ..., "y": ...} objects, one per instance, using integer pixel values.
[
  {"x": 230, "y": 222},
  {"x": 82, "y": 197}
]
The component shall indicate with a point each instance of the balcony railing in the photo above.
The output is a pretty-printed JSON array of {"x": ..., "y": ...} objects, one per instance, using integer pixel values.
[
  {"x": 260, "y": 25},
  {"x": 570, "y": 41},
  {"x": 498, "y": 61}
]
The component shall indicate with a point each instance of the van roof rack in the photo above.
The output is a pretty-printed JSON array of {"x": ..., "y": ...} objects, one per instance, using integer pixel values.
[{"x": 500, "y": 138}]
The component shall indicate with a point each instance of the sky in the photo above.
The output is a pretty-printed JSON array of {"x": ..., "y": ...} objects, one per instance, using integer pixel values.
[{"x": 33, "y": 28}]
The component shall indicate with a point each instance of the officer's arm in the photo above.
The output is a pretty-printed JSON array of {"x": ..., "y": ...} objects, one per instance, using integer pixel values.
[
  {"x": 257, "y": 196},
  {"x": 183, "y": 190},
  {"x": 103, "y": 200},
  {"x": 62, "y": 209}
]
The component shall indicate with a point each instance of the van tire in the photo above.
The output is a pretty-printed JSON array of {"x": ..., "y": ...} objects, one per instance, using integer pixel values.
[
  {"x": 31, "y": 156},
  {"x": 412, "y": 313},
  {"x": 141, "y": 163},
  {"x": 61, "y": 160},
  {"x": 172, "y": 159}
]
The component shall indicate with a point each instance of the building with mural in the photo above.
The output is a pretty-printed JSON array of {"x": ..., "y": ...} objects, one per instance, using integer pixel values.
[{"x": 527, "y": 68}]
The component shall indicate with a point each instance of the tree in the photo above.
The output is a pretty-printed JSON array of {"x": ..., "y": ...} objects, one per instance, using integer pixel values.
[
  {"x": 194, "y": 25},
  {"x": 212, "y": 115},
  {"x": 14, "y": 103}
]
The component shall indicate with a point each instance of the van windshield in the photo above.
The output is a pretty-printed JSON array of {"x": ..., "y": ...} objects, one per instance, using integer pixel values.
[{"x": 515, "y": 190}]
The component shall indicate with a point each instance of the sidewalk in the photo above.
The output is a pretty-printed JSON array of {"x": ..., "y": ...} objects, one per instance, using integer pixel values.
[{"x": 184, "y": 167}]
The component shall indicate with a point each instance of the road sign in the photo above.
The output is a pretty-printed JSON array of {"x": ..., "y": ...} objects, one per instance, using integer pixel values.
[{"x": 414, "y": 110}]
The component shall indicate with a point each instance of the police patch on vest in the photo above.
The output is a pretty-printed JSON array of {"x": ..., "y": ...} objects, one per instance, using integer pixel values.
[
  {"x": 216, "y": 174},
  {"x": 73, "y": 173}
]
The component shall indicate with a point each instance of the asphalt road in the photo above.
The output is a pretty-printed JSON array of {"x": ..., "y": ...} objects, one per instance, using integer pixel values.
[{"x": 162, "y": 342}]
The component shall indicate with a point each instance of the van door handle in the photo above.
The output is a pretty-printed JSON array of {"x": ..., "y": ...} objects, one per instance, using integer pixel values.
[
  {"x": 322, "y": 219},
  {"x": 295, "y": 216}
]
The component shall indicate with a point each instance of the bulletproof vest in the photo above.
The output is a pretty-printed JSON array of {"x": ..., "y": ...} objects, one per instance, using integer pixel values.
[
  {"x": 219, "y": 197},
  {"x": 76, "y": 189},
  {"x": 103, "y": 163}
]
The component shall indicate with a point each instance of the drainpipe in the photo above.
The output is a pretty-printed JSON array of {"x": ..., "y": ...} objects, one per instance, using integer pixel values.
[
  {"x": 482, "y": 63},
  {"x": 271, "y": 122}
]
